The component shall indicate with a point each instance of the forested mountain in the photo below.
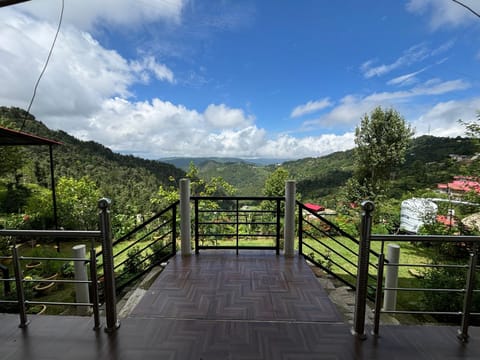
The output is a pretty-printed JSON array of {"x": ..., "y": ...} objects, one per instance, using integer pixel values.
[
  {"x": 129, "y": 181},
  {"x": 132, "y": 181},
  {"x": 428, "y": 162}
]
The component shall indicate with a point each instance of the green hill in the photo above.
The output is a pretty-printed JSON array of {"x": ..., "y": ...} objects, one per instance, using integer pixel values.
[{"x": 130, "y": 181}]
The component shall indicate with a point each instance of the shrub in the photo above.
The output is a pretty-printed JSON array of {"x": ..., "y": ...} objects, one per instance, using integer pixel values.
[
  {"x": 447, "y": 278},
  {"x": 134, "y": 263}
]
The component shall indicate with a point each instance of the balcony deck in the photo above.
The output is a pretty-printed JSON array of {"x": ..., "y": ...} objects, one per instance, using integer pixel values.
[{"x": 220, "y": 306}]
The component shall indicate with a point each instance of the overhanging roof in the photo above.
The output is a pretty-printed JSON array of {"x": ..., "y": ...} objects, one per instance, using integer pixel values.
[
  {"x": 10, "y": 2},
  {"x": 10, "y": 137}
]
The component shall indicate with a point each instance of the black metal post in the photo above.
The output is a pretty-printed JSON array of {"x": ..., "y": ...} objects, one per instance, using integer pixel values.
[
  {"x": 174, "y": 230},
  {"x": 19, "y": 285},
  {"x": 237, "y": 219},
  {"x": 300, "y": 230},
  {"x": 467, "y": 302},
  {"x": 362, "y": 275},
  {"x": 94, "y": 288},
  {"x": 197, "y": 250},
  {"x": 108, "y": 272},
  {"x": 278, "y": 226},
  {"x": 54, "y": 195},
  {"x": 378, "y": 294}
]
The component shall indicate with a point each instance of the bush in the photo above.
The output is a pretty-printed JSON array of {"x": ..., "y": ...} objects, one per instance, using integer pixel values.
[
  {"x": 160, "y": 252},
  {"x": 447, "y": 278},
  {"x": 134, "y": 263}
]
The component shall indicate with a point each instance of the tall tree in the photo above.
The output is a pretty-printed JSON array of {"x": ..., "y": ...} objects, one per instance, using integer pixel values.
[{"x": 381, "y": 142}]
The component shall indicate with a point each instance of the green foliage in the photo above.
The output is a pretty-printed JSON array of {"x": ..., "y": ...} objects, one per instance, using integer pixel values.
[
  {"x": 382, "y": 141},
  {"x": 275, "y": 183},
  {"x": 447, "y": 278},
  {"x": 77, "y": 203},
  {"x": 134, "y": 263}
]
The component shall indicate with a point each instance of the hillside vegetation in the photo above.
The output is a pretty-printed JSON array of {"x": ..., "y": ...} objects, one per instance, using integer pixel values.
[{"x": 130, "y": 181}]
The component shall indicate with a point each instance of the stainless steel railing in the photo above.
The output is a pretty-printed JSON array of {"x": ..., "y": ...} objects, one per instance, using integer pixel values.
[{"x": 104, "y": 234}]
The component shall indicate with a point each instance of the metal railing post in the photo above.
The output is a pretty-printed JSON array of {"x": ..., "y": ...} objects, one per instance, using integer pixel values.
[
  {"x": 108, "y": 272},
  {"x": 94, "y": 288},
  {"x": 19, "y": 285},
  {"x": 197, "y": 232},
  {"x": 174, "y": 229},
  {"x": 185, "y": 216},
  {"x": 278, "y": 227},
  {"x": 467, "y": 303},
  {"x": 378, "y": 294},
  {"x": 362, "y": 275},
  {"x": 289, "y": 223},
  {"x": 300, "y": 230},
  {"x": 237, "y": 226}
]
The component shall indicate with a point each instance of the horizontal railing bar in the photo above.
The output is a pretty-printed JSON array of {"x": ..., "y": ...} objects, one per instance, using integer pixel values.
[
  {"x": 227, "y": 211},
  {"x": 28, "y": 302},
  {"x": 57, "y": 281},
  {"x": 420, "y": 312},
  {"x": 235, "y": 223},
  {"x": 425, "y": 289},
  {"x": 52, "y": 258},
  {"x": 233, "y": 247},
  {"x": 433, "y": 238},
  {"x": 458, "y": 266},
  {"x": 234, "y": 198},
  {"x": 234, "y": 235},
  {"x": 53, "y": 233}
]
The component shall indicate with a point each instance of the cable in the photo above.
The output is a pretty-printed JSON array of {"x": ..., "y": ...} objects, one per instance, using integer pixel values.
[
  {"x": 46, "y": 64},
  {"x": 467, "y": 7}
]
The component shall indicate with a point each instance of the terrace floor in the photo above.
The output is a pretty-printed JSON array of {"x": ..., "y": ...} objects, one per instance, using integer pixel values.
[{"x": 217, "y": 305}]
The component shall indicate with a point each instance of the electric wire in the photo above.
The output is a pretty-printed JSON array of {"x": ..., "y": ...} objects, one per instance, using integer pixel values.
[
  {"x": 45, "y": 65},
  {"x": 467, "y": 7}
]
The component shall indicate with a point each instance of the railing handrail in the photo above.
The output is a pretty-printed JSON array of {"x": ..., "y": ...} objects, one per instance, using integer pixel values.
[
  {"x": 52, "y": 233},
  {"x": 198, "y": 197},
  {"x": 147, "y": 222},
  {"x": 427, "y": 238}
]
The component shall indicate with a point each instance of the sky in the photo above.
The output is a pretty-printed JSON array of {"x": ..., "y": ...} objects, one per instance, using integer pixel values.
[{"x": 252, "y": 79}]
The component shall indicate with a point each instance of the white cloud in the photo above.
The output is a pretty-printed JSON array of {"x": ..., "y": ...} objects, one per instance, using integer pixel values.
[
  {"x": 412, "y": 55},
  {"x": 442, "y": 118},
  {"x": 159, "y": 129},
  {"x": 149, "y": 65},
  {"x": 310, "y": 107},
  {"x": 407, "y": 79},
  {"x": 76, "y": 87},
  {"x": 89, "y": 14},
  {"x": 222, "y": 117},
  {"x": 444, "y": 12},
  {"x": 352, "y": 107}
]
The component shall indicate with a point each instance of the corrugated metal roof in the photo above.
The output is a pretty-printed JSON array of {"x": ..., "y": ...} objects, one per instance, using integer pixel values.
[{"x": 9, "y": 137}]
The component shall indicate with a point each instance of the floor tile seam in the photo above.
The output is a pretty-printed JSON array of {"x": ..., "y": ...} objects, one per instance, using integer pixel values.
[{"x": 235, "y": 320}]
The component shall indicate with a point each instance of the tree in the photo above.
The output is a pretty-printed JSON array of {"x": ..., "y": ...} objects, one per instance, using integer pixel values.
[
  {"x": 381, "y": 142},
  {"x": 275, "y": 183}
]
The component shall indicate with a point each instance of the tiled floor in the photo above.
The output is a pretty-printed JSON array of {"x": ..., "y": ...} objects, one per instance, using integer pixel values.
[{"x": 220, "y": 306}]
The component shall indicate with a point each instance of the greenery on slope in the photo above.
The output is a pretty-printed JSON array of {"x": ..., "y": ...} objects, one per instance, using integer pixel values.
[{"x": 129, "y": 181}]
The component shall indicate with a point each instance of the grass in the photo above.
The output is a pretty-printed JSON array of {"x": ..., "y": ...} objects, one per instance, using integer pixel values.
[{"x": 340, "y": 256}]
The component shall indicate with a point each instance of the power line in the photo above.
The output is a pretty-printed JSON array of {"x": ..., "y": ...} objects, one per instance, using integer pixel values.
[
  {"x": 467, "y": 7},
  {"x": 46, "y": 64}
]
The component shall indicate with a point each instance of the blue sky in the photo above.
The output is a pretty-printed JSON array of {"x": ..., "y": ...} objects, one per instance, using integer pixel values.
[{"x": 277, "y": 79}]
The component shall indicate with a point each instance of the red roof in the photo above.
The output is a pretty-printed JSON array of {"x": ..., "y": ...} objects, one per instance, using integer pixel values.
[
  {"x": 314, "y": 207},
  {"x": 446, "y": 220},
  {"x": 461, "y": 184}
]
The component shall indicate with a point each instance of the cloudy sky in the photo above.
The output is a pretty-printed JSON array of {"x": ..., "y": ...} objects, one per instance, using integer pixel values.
[{"x": 272, "y": 79}]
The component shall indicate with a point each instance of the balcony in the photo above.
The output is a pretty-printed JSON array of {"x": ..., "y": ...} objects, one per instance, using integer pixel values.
[{"x": 234, "y": 302}]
